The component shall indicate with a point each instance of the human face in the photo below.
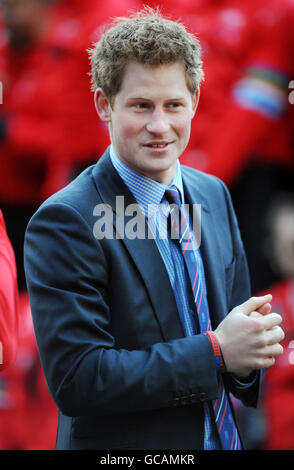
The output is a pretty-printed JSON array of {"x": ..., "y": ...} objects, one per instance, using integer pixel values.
[{"x": 150, "y": 119}]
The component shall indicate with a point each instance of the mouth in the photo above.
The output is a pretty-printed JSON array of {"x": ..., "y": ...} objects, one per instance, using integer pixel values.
[{"x": 157, "y": 145}]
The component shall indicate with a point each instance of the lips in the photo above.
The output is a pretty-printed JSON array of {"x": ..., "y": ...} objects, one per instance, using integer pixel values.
[{"x": 156, "y": 145}]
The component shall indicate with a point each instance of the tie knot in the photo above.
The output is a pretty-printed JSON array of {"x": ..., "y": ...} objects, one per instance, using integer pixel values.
[{"x": 173, "y": 196}]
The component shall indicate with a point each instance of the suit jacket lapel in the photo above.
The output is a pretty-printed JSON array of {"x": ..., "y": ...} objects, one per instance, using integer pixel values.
[
  {"x": 210, "y": 248},
  {"x": 144, "y": 252}
]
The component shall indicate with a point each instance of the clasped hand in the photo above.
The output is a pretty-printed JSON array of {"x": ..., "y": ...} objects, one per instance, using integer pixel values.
[{"x": 249, "y": 336}]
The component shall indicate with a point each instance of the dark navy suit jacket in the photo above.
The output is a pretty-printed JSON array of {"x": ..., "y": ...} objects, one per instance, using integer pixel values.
[{"x": 116, "y": 360}]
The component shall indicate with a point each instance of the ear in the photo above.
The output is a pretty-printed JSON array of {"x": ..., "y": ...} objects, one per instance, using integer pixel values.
[
  {"x": 195, "y": 101},
  {"x": 102, "y": 105}
]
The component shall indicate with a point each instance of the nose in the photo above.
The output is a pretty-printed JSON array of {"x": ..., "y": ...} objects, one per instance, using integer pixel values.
[{"x": 158, "y": 123}]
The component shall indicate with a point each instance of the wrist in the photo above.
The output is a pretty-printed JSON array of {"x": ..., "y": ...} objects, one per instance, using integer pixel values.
[{"x": 216, "y": 350}]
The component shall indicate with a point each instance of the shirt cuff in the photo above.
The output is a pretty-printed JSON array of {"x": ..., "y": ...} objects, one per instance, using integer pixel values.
[{"x": 243, "y": 382}]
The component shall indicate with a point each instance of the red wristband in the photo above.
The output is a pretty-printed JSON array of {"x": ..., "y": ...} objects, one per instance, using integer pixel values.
[{"x": 215, "y": 347}]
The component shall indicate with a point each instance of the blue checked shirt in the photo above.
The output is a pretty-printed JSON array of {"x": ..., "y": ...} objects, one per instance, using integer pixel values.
[{"x": 149, "y": 194}]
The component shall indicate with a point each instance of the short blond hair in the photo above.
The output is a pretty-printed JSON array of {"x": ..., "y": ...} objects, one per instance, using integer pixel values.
[{"x": 148, "y": 38}]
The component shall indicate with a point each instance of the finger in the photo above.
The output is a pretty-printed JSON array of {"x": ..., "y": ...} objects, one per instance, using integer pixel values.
[
  {"x": 268, "y": 362},
  {"x": 265, "y": 309},
  {"x": 255, "y": 315},
  {"x": 254, "y": 303},
  {"x": 271, "y": 320},
  {"x": 275, "y": 335},
  {"x": 273, "y": 350}
]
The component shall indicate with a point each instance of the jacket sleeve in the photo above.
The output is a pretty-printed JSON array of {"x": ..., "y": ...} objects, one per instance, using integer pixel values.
[
  {"x": 240, "y": 291},
  {"x": 67, "y": 275},
  {"x": 8, "y": 300}
]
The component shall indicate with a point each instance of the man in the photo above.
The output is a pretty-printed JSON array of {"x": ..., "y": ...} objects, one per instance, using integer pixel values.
[
  {"x": 128, "y": 358},
  {"x": 278, "y": 383},
  {"x": 8, "y": 300}
]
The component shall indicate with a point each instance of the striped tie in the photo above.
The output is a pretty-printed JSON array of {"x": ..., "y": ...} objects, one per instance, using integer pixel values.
[{"x": 180, "y": 232}]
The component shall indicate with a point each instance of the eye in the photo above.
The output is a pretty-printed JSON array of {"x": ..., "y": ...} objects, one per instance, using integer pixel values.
[
  {"x": 174, "y": 105},
  {"x": 141, "y": 105}
]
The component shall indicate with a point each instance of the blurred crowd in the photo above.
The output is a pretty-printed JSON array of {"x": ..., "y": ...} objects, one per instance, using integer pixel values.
[{"x": 243, "y": 133}]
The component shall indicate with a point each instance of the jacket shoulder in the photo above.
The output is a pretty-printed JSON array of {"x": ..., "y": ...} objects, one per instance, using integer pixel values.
[
  {"x": 82, "y": 192},
  {"x": 208, "y": 185},
  {"x": 78, "y": 198},
  {"x": 75, "y": 192},
  {"x": 196, "y": 176}
]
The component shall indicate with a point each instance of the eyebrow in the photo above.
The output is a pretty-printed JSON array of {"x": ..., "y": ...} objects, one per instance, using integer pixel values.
[{"x": 138, "y": 98}]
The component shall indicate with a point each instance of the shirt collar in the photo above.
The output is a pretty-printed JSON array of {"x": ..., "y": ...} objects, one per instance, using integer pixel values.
[{"x": 147, "y": 192}]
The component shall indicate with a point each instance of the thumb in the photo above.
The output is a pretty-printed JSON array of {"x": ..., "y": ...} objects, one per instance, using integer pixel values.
[
  {"x": 254, "y": 304},
  {"x": 265, "y": 309}
]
